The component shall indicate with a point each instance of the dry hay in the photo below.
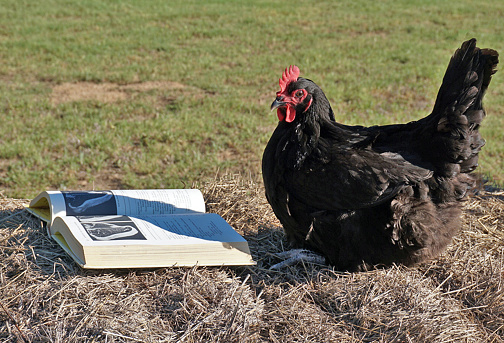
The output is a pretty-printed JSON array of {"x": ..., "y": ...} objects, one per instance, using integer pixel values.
[{"x": 45, "y": 297}]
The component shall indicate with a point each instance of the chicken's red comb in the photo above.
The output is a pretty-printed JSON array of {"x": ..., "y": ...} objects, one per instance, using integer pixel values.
[{"x": 290, "y": 74}]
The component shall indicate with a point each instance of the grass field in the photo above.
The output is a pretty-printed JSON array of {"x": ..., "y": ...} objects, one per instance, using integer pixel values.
[{"x": 129, "y": 94}]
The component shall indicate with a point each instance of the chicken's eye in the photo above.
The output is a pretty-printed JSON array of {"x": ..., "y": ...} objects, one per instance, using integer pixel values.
[{"x": 299, "y": 93}]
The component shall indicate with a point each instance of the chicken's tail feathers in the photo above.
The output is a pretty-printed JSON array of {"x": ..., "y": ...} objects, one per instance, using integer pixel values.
[{"x": 458, "y": 111}]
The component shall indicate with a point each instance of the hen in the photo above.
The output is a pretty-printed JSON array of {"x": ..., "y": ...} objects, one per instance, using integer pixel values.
[{"x": 365, "y": 197}]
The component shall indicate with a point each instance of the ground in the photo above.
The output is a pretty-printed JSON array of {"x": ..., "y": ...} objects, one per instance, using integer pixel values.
[{"x": 457, "y": 297}]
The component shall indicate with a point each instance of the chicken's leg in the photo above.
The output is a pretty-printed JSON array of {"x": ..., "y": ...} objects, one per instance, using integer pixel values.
[{"x": 298, "y": 255}]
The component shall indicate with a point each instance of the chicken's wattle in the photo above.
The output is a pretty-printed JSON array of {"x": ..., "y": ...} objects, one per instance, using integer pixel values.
[{"x": 287, "y": 113}]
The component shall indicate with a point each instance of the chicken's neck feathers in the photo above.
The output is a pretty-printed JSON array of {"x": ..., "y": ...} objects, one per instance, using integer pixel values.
[{"x": 306, "y": 136}]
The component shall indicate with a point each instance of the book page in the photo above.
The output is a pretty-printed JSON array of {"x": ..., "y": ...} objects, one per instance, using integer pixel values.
[
  {"x": 188, "y": 228},
  {"x": 47, "y": 209},
  {"x": 129, "y": 202},
  {"x": 51, "y": 204},
  {"x": 164, "y": 201},
  {"x": 153, "y": 230}
]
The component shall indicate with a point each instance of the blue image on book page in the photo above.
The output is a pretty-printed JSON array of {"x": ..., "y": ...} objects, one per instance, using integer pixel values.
[
  {"x": 110, "y": 228},
  {"x": 89, "y": 203}
]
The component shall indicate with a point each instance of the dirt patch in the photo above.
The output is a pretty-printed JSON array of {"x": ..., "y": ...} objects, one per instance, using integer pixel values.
[{"x": 106, "y": 92}]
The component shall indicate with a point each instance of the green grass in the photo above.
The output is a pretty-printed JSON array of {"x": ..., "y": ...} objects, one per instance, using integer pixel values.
[{"x": 378, "y": 62}]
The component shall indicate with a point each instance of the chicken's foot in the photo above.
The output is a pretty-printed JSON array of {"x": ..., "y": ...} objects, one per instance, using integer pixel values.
[{"x": 297, "y": 255}]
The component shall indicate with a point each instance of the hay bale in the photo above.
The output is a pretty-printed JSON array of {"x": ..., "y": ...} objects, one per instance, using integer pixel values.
[{"x": 45, "y": 296}]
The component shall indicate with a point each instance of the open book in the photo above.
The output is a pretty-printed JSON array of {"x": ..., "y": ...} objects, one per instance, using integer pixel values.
[{"x": 139, "y": 228}]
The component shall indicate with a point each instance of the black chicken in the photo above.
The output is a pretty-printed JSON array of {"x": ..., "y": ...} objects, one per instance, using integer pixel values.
[{"x": 365, "y": 197}]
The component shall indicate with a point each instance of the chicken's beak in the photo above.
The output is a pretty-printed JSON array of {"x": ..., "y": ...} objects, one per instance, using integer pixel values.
[{"x": 277, "y": 103}]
